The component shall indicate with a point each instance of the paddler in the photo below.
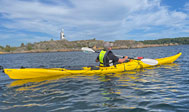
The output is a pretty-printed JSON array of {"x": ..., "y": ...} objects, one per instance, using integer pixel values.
[{"x": 107, "y": 58}]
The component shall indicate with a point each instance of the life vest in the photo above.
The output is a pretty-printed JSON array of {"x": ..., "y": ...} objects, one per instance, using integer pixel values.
[{"x": 103, "y": 58}]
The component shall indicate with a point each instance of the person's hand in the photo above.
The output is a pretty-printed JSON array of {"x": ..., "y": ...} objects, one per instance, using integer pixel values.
[{"x": 125, "y": 57}]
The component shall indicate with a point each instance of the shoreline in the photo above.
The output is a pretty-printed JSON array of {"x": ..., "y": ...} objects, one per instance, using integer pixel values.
[
  {"x": 41, "y": 51},
  {"x": 74, "y": 50}
]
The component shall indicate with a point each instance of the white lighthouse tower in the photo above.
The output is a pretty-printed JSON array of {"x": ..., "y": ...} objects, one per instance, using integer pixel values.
[{"x": 62, "y": 36}]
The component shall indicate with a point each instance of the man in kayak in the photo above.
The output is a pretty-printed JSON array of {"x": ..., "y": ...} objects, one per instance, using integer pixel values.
[{"x": 107, "y": 58}]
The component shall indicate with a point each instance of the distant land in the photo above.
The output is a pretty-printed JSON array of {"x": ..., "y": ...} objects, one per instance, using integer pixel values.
[{"x": 65, "y": 45}]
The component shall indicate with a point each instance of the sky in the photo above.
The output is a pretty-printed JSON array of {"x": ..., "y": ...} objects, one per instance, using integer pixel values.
[{"x": 29, "y": 21}]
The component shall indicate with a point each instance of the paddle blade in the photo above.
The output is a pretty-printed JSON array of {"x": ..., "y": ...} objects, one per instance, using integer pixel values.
[
  {"x": 86, "y": 49},
  {"x": 150, "y": 61}
]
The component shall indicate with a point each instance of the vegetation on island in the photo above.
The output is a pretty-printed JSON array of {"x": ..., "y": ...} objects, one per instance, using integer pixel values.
[
  {"x": 180, "y": 41},
  {"x": 64, "y": 45}
]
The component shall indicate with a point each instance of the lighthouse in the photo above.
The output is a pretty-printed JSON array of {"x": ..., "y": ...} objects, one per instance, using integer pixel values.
[{"x": 62, "y": 36}]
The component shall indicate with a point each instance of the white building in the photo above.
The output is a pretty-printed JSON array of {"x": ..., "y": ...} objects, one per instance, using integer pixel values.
[{"x": 62, "y": 36}]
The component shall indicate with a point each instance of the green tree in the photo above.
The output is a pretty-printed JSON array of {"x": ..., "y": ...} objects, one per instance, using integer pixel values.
[
  {"x": 29, "y": 46},
  {"x": 1, "y": 47},
  {"x": 22, "y": 45},
  {"x": 7, "y": 48}
]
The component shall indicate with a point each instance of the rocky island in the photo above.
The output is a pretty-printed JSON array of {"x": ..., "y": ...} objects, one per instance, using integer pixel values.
[{"x": 65, "y": 45}]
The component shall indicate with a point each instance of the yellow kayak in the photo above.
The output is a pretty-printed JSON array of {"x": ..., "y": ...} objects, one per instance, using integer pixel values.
[{"x": 27, "y": 73}]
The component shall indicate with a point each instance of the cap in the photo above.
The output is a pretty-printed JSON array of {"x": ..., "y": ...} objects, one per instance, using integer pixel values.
[{"x": 107, "y": 45}]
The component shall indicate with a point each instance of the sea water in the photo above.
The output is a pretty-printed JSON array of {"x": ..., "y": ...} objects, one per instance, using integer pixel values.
[{"x": 157, "y": 89}]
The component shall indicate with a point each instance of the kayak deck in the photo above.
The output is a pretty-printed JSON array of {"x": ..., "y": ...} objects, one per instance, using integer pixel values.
[{"x": 26, "y": 73}]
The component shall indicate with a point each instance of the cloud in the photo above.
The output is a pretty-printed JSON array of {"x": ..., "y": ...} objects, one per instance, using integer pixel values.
[
  {"x": 186, "y": 6},
  {"x": 157, "y": 18},
  {"x": 30, "y": 9},
  {"x": 105, "y": 20},
  {"x": 16, "y": 38}
]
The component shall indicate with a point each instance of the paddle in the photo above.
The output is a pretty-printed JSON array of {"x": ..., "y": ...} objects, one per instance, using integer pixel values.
[{"x": 146, "y": 61}]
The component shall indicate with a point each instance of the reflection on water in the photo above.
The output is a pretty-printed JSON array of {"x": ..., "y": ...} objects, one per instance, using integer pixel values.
[{"x": 30, "y": 84}]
